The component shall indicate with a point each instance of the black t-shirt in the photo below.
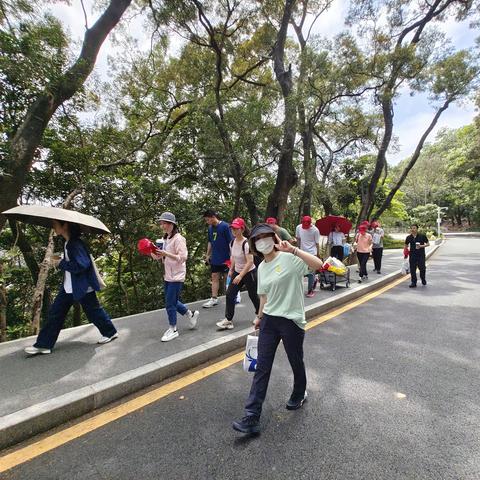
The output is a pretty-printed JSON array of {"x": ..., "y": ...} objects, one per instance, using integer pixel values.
[{"x": 411, "y": 241}]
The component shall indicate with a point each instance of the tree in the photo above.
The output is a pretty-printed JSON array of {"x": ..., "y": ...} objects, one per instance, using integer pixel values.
[
  {"x": 404, "y": 53},
  {"x": 23, "y": 146}
]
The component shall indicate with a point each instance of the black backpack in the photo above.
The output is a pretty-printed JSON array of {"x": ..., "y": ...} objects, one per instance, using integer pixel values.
[{"x": 256, "y": 259}]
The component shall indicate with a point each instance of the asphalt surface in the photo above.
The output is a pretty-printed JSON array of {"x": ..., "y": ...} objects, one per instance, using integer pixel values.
[
  {"x": 77, "y": 360},
  {"x": 393, "y": 394}
]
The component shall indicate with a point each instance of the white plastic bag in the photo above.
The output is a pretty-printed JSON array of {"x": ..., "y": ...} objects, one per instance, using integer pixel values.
[
  {"x": 405, "y": 266},
  {"x": 251, "y": 354},
  {"x": 101, "y": 282}
]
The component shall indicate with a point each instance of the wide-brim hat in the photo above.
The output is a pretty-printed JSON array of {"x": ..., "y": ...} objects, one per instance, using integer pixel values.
[
  {"x": 261, "y": 228},
  {"x": 168, "y": 217}
]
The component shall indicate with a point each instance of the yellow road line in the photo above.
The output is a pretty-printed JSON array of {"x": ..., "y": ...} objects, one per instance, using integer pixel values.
[{"x": 51, "y": 442}]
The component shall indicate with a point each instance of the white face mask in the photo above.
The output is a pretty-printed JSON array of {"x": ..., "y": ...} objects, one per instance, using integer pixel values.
[{"x": 265, "y": 245}]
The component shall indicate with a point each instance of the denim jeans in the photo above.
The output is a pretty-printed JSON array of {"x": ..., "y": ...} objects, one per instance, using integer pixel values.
[
  {"x": 58, "y": 311},
  {"x": 272, "y": 330},
  {"x": 173, "y": 303},
  {"x": 310, "y": 281},
  {"x": 250, "y": 281}
]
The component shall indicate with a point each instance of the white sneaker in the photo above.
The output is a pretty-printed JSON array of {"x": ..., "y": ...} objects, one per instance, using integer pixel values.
[
  {"x": 108, "y": 339},
  {"x": 211, "y": 303},
  {"x": 193, "y": 317},
  {"x": 224, "y": 324},
  {"x": 37, "y": 350},
  {"x": 170, "y": 334}
]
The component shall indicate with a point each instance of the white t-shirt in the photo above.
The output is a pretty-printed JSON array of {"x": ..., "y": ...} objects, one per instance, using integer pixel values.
[
  {"x": 239, "y": 255},
  {"x": 309, "y": 238},
  {"x": 336, "y": 238},
  {"x": 67, "y": 279}
]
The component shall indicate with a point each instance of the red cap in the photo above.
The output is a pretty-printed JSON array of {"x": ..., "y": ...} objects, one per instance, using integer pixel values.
[
  {"x": 306, "y": 221},
  {"x": 271, "y": 220},
  {"x": 238, "y": 223}
]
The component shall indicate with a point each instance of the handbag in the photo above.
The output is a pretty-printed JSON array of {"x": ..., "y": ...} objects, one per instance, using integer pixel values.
[
  {"x": 100, "y": 280},
  {"x": 251, "y": 354}
]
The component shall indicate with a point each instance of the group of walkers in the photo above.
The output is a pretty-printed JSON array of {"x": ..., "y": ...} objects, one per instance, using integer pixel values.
[{"x": 275, "y": 287}]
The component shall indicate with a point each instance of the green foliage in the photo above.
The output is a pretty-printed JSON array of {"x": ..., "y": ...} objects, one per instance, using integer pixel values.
[{"x": 172, "y": 120}]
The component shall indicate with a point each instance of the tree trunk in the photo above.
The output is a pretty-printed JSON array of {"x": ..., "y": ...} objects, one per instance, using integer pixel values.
[
  {"x": 413, "y": 160},
  {"x": 235, "y": 167},
  {"x": 3, "y": 306},
  {"x": 24, "y": 144},
  {"x": 40, "y": 287},
  {"x": 286, "y": 176},
  {"x": 369, "y": 197},
  {"x": 26, "y": 249}
]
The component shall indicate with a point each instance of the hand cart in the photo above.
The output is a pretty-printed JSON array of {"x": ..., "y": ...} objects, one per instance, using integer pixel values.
[{"x": 331, "y": 278}]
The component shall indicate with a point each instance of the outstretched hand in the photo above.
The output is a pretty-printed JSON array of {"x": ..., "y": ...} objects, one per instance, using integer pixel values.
[{"x": 285, "y": 246}]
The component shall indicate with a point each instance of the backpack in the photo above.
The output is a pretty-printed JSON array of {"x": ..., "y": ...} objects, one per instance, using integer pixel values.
[{"x": 256, "y": 259}]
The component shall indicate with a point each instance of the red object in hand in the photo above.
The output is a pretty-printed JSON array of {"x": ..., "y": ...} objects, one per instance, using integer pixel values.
[
  {"x": 146, "y": 247},
  {"x": 406, "y": 252}
]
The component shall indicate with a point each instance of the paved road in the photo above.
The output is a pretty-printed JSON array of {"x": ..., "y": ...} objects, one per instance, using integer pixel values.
[
  {"x": 393, "y": 387},
  {"x": 78, "y": 361}
]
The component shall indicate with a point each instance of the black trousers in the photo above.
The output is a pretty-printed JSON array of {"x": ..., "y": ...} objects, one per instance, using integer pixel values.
[
  {"x": 362, "y": 260},
  {"x": 417, "y": 261},
  {"x": 337, "y": 252},
  {"x": 377, "y": 254},
  {"x": 272, "y": 330},
  {"x": 250, "y": 282}
]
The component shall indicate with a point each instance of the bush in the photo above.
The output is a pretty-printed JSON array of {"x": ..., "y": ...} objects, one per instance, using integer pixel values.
[{"x": 389, "y": 242}]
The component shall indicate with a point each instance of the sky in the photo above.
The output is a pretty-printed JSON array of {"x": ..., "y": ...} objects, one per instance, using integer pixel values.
[{"x": 412, "y": 114}]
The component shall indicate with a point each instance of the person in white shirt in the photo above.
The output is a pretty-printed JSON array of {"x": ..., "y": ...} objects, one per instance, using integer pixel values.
[
  {"x": 336, "y": 239},
  {"x": 308, "y": 240},
  {"x": 242, "y": 272},
  {"x": 377, "y": 234}
]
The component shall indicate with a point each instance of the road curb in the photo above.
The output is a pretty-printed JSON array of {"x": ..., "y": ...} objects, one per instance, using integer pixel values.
[{"x": 25, "y": 423}]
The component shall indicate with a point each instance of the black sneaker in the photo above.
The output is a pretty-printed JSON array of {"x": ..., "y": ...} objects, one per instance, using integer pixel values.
[
  {"x": 378, "y": 271},
  {"x": 249, "y": 424},
  {"x": 295, "y": 403},
  {"x": 424, "y": 282},
  {"x": 412, "y": 285}
]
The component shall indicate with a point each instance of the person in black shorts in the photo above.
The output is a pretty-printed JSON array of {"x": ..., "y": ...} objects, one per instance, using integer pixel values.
[
  {"x": 218, "y": 252},
  {"x": 416, "y": 243}
]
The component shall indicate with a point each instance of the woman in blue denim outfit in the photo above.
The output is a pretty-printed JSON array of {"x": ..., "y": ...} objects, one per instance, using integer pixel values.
[{"x": 79, "y": 285}]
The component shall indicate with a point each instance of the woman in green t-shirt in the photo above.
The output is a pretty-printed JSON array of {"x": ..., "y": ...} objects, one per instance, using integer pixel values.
[{"x": 281, "y": 316}]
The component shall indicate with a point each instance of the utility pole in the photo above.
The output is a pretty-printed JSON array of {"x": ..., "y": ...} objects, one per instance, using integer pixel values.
[{"x": 439, "y": 219}]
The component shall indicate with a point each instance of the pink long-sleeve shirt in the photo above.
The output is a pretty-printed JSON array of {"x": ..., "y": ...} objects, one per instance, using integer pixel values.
[{"x": 175, "y": 268}]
